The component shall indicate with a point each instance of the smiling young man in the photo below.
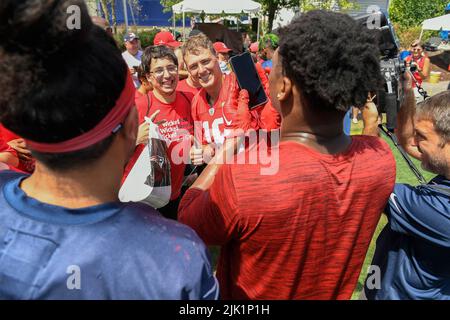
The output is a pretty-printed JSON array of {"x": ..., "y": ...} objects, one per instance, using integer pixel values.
[
  {"x": 219, "y": 106},
  {"x": 160, "y": 66},
  {"x": 412, "y": 256}
]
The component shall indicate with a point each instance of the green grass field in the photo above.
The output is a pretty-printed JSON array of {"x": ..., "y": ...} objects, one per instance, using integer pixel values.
[{"x": 404, "y": 175}]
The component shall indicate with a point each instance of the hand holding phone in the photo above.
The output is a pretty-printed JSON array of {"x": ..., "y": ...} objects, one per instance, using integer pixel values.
[{"x": 248, "y": 79}]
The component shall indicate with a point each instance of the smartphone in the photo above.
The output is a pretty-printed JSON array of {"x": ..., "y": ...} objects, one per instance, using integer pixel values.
[{"x": 248, "y": 79}]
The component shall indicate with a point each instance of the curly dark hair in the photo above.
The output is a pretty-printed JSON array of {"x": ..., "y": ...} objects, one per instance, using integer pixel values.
[
  {"x": 156, "y": 52},
  {"x": 56, "y": 82},
  {"x": 331, "y": 58}
]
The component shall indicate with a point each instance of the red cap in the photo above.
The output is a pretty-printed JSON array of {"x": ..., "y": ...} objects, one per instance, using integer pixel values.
[
  {"x": 165, "y": 38},
  {"x": 254, "y": 47},
  {"x": 220, "y": 47}
]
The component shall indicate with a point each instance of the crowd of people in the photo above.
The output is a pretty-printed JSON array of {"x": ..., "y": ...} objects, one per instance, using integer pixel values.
[{"x": 74, "y": 112}]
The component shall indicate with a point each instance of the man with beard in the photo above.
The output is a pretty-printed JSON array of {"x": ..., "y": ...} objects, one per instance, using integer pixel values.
[{"x": 412, "y": 256}]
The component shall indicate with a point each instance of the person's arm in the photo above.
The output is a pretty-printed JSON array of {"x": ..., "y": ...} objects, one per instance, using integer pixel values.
[
  {"x": 425, "y": 72},
  {"x": 417, "y": 212},
  {"x": 370, "y": 118},
  {"x": 405, "y": 120},
  {"x": 210, "y": 205}
]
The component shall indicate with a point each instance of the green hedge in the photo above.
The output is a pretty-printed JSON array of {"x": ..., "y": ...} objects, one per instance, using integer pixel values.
[
  {"x": 407, "y": 35},
  {"x": 145, "y": 36}
]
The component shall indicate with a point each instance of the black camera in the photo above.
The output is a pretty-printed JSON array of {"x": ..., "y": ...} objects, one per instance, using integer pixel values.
[{"x": 392, "y": 67}]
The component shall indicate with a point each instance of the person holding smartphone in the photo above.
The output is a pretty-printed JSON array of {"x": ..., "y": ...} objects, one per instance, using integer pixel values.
[
  {"x": 303, "y": 231},
  {"x": 220, "y": 106}
]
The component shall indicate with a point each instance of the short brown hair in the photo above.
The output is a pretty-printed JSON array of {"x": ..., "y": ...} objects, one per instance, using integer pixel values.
[
  {"x": 437, "y": 110},
  {"x": 193, "y": 44}
]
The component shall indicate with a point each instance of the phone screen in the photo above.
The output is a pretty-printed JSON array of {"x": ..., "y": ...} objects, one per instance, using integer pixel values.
[{"x": 248, "y": 79}]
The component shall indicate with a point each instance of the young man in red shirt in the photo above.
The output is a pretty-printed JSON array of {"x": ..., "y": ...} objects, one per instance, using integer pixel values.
[
  {"x": 216, "y": 109},
  {"x": 303, "y": 232},
  {"x": 160, "y": 66}
]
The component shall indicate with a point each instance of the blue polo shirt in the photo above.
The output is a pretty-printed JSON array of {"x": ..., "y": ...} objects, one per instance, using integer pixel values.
[
  {"x": 413, "y": 250},
  {"x": 108, "y": 251}
]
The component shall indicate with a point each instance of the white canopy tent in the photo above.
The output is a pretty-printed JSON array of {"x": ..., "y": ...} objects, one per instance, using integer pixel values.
[
  {"x": 216, "y": 7},
  {"x": 438, "y": 23}
]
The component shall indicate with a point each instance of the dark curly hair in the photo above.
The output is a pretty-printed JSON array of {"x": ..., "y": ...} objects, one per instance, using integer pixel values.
[
  {"x": 156, "y": 52},
  {"x": 56, "y": 82},
  {"x": 331, "y": 58}
]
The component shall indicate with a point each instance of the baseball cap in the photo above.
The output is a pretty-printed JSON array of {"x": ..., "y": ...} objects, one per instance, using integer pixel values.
[
  {"x": 130, "y": 37},
  {"x": 220, "y": 47},
  {"x": 165, "y": 38},
  {"x": 254, "y": 47}
]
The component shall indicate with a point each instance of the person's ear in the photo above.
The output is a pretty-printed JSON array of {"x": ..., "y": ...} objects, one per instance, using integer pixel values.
[{"x": 285, "y": 89}]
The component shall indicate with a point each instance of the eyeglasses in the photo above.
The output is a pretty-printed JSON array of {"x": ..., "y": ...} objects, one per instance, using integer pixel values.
[{"x": 159, "y": 72}]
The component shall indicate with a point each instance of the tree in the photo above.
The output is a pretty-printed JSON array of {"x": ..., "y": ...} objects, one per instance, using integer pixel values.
[
  {"x": 109, "y": 10},
  {"x": 411, "y": 13},
  {"x": 341, "y": 5},
  {"x": 271, "y": 7},
  {"x": 167, "y": 4}
]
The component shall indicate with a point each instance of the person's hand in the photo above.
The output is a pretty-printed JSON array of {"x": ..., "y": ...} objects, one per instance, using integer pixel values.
[
  {"x": 143, "y": 131},
  {"x": 201, "y": 154},
  {"x": 196, "y": 155},
  {"x": 263, "y": 76},
  {"x": 406, "y": 81},
  {"x": 235, "y": 109},
  {"x": 245, "y": 119},
  {"x": 144, "y": 128},
  {"x": 370, "y": 117},
  {"x": 20, "y": 147},
  {"x": 132, "y": 70}
]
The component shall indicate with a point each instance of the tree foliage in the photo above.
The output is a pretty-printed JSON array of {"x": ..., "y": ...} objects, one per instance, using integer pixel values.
[
  {"x": 271, "y": 7},
  {"x": 410, "y": 13}
]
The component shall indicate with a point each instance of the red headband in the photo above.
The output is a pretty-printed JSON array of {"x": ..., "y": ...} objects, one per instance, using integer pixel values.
[{"x": 109, "y": 125}]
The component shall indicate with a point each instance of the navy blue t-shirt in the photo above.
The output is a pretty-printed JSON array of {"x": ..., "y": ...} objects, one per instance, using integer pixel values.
[
  {"x": 108, "y": 251},
  {"x": 413, "y": 250}
]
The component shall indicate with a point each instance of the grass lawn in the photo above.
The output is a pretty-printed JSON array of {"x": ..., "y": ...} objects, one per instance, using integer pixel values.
[{"x": 404, "y": 175}]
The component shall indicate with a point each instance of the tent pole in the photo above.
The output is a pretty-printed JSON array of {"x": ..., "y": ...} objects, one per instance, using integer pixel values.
[
  {"x": 184, "y": 25},
  {"x": 174, "y": 25},
  {"x": 125, "y": 14},
  {"x": 421, "y": 34},
  {"x": 257, "y": 36}
]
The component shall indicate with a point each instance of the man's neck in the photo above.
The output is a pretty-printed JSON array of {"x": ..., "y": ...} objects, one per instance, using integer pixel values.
[
  {"x": 191, "y": 83},
  {"x": 309, "y": 129},
  {"x": 164, "y": 98},
  {"x": 214, "y": 92},
  {"x": 134, "y": 55},
  {"x": 143, "y": 90},
  {"x": 77, "y": 188}
]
